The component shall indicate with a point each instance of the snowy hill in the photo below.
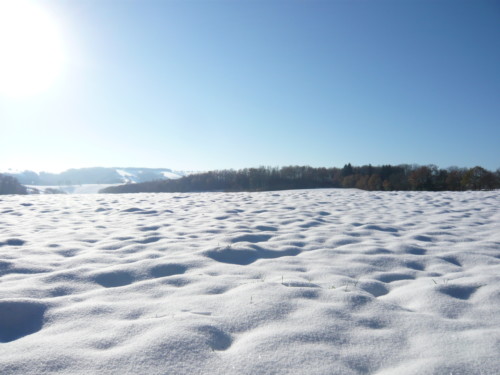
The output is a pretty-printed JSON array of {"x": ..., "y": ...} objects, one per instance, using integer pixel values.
[
  {"x": 97, "y": 175},
  {"x": 288, "y": 282}
]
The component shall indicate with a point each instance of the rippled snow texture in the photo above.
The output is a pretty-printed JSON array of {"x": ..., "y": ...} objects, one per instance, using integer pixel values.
[{"x": 291, "y": 282}]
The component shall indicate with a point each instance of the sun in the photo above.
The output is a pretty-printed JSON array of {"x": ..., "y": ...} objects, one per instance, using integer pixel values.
[{"x": 31, "y": 49}]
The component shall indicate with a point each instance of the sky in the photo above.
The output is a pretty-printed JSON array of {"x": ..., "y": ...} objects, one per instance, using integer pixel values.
[{"x": 202, "y": 85}]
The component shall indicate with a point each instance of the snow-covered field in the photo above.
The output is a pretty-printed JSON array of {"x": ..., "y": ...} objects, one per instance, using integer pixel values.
[
  {"x": 73, "y": 189},
  {"x": 291, "y": 282}
]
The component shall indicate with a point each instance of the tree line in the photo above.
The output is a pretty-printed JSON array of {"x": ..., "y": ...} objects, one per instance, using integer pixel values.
[
  {"x": 366, "y": 177},
  {"x": 9, "y": 185}
]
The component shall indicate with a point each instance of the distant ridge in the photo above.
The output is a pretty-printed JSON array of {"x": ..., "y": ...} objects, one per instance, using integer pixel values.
[{"x": 96, "y": 175}]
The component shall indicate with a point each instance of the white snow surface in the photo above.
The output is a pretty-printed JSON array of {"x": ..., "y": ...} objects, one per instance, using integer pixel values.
[
  {"x": 73, "y": 189},
  {"x": 289, "y": 282},
  {"x": 171, "y": 175},
  {"x": 126, "y": 175}
]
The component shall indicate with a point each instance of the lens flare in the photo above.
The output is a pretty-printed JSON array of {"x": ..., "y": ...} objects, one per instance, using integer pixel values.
[{"x": 31, "y": 48}]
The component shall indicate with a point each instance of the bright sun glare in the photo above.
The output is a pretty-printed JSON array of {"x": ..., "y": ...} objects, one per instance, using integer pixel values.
[{"x": 31, "y": 51}]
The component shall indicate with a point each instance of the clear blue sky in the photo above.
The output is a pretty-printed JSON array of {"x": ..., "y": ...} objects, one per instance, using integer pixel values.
[{"x": 199, "y": 85}]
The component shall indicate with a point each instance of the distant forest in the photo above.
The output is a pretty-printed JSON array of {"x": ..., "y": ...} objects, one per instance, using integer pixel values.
[
  {"x": 9, "y": 185},
  {"x": 367, "y": 177}
]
